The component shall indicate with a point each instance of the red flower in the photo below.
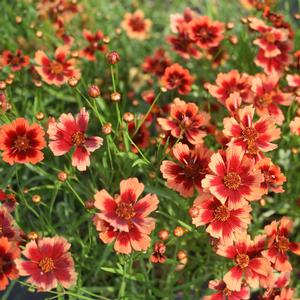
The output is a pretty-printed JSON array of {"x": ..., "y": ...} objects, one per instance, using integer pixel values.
[
  {"x": 191, "y": 166},
  {"x": 222, "y": 221},
  {"x": 176, "y": 20},
  {"x": 95, "y": 44},
  {"x": 185, "y": 121},
  {"x": 9, "y": 201},
  {"x": 206, "y": 33},
  {"x": 252, "y": 137},
  {"x": 22, "y": 143},
  {"x": 224, "y": 293},
  {"x": 15, "y": 62},
  {"x": 158, "y": 256},
  {"x": 56, "y": 71},
  {"x": 295, "y": 126},
  {"x": 9, "y": 252},
  {"x": 136, "y": 26},
  {"x": 279, "y": 244},
  {"x": 233, "y": 177},
  {"x": 177, "y": 77},
  {"x": 69, "y": 132},
  {"x": 49, "y": 263},
  {"x": 125, "y": 218},
  {"x": 248, "y": 265},
  {"x": 293, "y": 80},
  {"x": 8, "y": 229}
]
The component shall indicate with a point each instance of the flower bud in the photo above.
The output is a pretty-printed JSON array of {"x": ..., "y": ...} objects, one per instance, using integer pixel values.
[
  {"x": 128, "y": 117},
  {"x": 115, "y": 97},
  {"x": 39, "y": 115},
  {"x": 164, "y": 234},
  {"x": 62, "y": 176},
  {"x": 36, "y": 198},
  {"x": 113, "y": 57},
  {"x": 107, "y": 128},
  {"x": 72, "y": 82},
  {"x": 32, "y": 235},
  {"x": 93, "y": 91}
]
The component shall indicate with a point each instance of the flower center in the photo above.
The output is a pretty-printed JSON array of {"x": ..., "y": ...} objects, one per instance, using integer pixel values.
[
  {"x": 232, "y": 180},
  {"x": 125, "y": 210},
  {"x": 22, "y": 143},
  {"x": 269, "y": 36},
  {"x": 137, "y": 24},
  {"x": 227, "y": 292},
  {"x": 283, "y": 244},
  {"x": 221, "y": 213},
  {"x": 46, "y": 264},
  {"x": 250, "y": 133},
  {"x": 57, "y": 68},
  {"x": 266, "y": 99},
  {"x": 242, "y": 260},
  {"x": 78, "y": 138}
]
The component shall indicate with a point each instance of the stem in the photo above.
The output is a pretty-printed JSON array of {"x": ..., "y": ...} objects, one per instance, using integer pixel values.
[
  {"x": 75, "y": 193},
  {"x": 123, "y": 282}
]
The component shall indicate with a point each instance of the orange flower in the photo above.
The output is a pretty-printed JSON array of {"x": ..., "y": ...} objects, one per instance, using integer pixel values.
[{"x": 15, "y": 62}]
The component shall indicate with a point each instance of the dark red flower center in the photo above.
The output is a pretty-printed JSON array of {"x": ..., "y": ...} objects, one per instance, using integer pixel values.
[
  {"x": 266, "y": 99},
  {"x": 283, "y": 244},
  {"x": 46, "y": 264},
  {"x": 232, "y": 180},
  {"x": 56, "y": 67},
  {"x": 250, "y": 133},
  {"x": 125, "y": 210},
  {"x": 21, "y": 143},
  {"x": 221, "y": 213},
  {"x": 242, "y": 260},
  {"x": 192, "y": 170},
  {"x": 204, "y": 34},
  {"x": 227, "y": 292},
  {"x": 137, "y": 24},
  {"x": 78, "y": 138}
]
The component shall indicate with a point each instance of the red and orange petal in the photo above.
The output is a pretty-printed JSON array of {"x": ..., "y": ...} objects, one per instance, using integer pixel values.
[
  {"x": 21, "y": 142},
  {"x": 295, "y": 126}
]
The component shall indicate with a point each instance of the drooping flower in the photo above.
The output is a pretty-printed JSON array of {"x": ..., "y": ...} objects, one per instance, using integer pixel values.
[
  {"x": 69, "y": 132},
  {"x": 158, "y": 256},
  {"x": 255, "y": 270},
  {"x": 177, "y": 77},
  {"x": 95, "y": 44},
  {"x": 205, "y": 32},
  {"x": 136, "y": 26},
  {"x": 185, "y": 121},
  {"x": 15, "y": 61},
  {"x": 223, "y": 293},
  {"x": 9, "y": 252},
  {"x": 58, "y": 70},
  {"x": 125, "y": 219},
  {"x": 22, "y": 143},
  {"x": 253, "y": 137},
  {"x": 48, "y": 263},
  {"x": 279, "y": 244},
  {"x": 233, "y": 177},
  {"x": 8, "y": 201},
  {"x": 222, "y": 221},
  {"x": 190, "y": 167}
]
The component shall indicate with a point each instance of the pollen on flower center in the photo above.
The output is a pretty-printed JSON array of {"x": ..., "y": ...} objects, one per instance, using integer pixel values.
[
  {"x": 57, "y": 68},
  {"x": 227, "y": 292},
  {"x": 221, "y": 213},
  {"x": 283, "y": 244},
  {"x": 266, "y": 99},
  {"x": 250, "y": 134},
  {"x": 125, "y": 210},
  {"x": 270, "y": 37},
  {"x": 78, "y": 138},
  {"x": 21, "y": 143},
  {"x": 46, "y": 264},
  {"x": 242, "y": 260},
  {"x": 232, "y": 180}
]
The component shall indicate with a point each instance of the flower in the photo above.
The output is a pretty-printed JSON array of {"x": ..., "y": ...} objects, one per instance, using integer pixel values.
[
  {"x": 224, "y": 293},
  {"x": 56, "y": 71},
  {"x": 158, "y": 256},
  {"x": 176, "y": 20},
  {"x": 279, "y": 244},
  {"x": 95, "y": 44},
  {"x": 253, "y": 137},
  {"x": 125, "y": 219},
  {"x": 248, "y": 264},
  {"x": 177, "y": 77},
  {"x": 9, "y": 252},
  {"x": 22, "y": 143},
  {"x": 136, "y": 26},
  {"x": 233, "y": 177},
  {"x": 205, "y": 32},
  {"x": 48, "y": 264},
  {"x": 222, "y": 221},
  {"x": 69, "y": 132},
  {"x": 295, "y": 126},
  {"x": 15, "y": 62},
  {"x": 8, "y": 228},
  {"x": 185, "y": 121},
  {"x": 191, "y": 166},
  {"x": 9, "y": 201}
]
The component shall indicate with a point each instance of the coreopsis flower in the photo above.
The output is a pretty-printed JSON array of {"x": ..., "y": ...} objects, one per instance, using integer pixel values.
[
  {"x": 157, "y": 63},
  {"x": 273, "y": 178},
  {"x": 176, "y": 20},
  {"x": 222, "y": 221},
  {"x": 279, "y": 244},
  {"x": 136, "y": 26},
  {"x": 253, "y": 137},
  {"x": 58, "y": 70},
  {"x": 8, "y": 201},
  {"x": 190, "y": 167},
  {"x": 21, "y": 142},
  {"x": 48, "y": 263},
  {"x": 125, "y": 219},
  {"x": 9, "y": 252},
  {"x": 69, "y": 133},
  {"x": 15, "y": 61},
  {"x": 177, "y": 77},
  {"x": 7, "y": 225},
  {"x": 233, "y": 177},
  {"x": 95, "y": 44},
  {"x": 280, "y": 290},
  {"x": 223, "y": 293},
  {"x": 185, "y": 121},
  {"x": 293, "y": 80},
  {"x": 205, "y": 32},
  {"x": 249, "y": 266},
  {"x": 157, "y": 255},
  {"x": 295, "y": 126},
  {"x": 268, "y": 97}
]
